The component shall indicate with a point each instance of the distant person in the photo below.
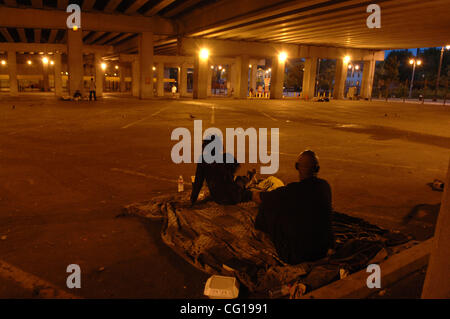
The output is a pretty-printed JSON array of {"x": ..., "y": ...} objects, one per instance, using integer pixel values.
[
  {"x": 92, "y": 89},
  {"x": 225, "y": 188},
  {"x": 174, "y": 90},
  {"x": 296, "y": 217}
]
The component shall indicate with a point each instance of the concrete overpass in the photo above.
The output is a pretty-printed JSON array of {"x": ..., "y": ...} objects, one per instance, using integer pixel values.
[{"x": 143, "y": 35}]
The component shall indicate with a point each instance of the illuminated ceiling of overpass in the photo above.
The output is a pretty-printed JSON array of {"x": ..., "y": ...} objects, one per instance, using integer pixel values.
[{"x": 340, "y": 23}]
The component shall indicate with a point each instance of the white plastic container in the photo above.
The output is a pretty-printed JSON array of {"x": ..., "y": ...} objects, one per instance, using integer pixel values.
[{"x": 221, "y": 287}]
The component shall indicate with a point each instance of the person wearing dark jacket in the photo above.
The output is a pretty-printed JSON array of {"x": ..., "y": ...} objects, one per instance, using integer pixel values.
[
  {"x": 296, "y": 217},
  {"x": 224, "y": 187}
]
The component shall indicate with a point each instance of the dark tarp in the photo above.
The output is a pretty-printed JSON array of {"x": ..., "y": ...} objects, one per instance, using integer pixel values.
[{"x": 222, "y": 240}]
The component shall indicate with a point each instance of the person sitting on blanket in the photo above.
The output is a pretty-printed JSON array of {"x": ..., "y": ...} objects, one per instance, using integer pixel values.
[
  {"x": 225, "y": 188},
  {"x": 296, "y": 217}
]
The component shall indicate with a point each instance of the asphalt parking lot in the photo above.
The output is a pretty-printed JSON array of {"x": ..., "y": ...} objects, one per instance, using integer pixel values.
[{"x": 67, "y": 168}]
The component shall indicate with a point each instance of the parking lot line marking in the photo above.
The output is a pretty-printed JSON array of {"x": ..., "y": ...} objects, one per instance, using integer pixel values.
[
  {"x": 268, "y": 116},
  {"x": 369, "y": 163},
  {"x": 130, "y": 172},
  {"x": 145, "y": 118},
  {"x": 39, "y": 287}
]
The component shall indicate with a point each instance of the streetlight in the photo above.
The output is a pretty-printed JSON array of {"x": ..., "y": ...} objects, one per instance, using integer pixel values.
[
  {"x": 45, "y": 60},
  {"x": 103, "y": 66},
  {"x": 282, "y": 57},
  {"x": 353, "y": 67},
  {"x": 204, "y": 53},
  {"x": 413, "y": 62},
  {"x": 439, "y": 70},
  {"x": 3, "y": 62}
]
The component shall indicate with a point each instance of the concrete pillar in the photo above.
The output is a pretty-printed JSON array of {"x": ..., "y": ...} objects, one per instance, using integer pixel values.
[
  {"x": 46, "y": 83},
  {"x": 12, "y": 69},
  {"x": 242, "y": 76},
  {"x": 201, "y": 67},
  {"x": 146, "y": 65},
  {"x": 253, "y": 72},
  {"x": 277, "y": 79},
  {"x": 99, "y": 75},
  {"x": 122, "y": 78},
  {"x": 57, "y": 74},
  {"x": 339, "y": 79},
  {"x": 75, "y": 60},
  {"x": 135, "y": 77},
  {"x": 436, "y": 285},
  {"x": 309, "y": 78},
  {"x": 234, "y": 79},
  {"x": 367, "y": 79},
  {"x": 160, "y": 79},
  {"x": 182, "y": 83},
  {"x": 209, "y": 83}
]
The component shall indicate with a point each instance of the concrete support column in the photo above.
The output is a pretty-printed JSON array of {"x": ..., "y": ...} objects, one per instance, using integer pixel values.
[
  {"x": 254, "y": 72},
  {"x": 146, "y": 65},
  {"x": 233, "y": 80},
  {"x": 339, "y": 79},
  {"x": 436, "y": 285},
  {"x": 12, "y": 69},
  {"x": 367, "y": 79},
  {"x": 99, "y": 75},
  {"x": 160, "y": 79},
  {"x": 277, "y": 79},
  {"x": 182, "y": 84},
  {"x": 75, "y": 60},
  {"x": 57, "y": 74},
  {"x": 122, "y": 78},
  {"x": 46, "y": 81},
  {"x": 242, "y": 77},
  {"x": 309, "y": 78},
  {"x": 209, "y": 86},
  {"x": 201, "y": 67},
  {"x": 135, "y": 75}
]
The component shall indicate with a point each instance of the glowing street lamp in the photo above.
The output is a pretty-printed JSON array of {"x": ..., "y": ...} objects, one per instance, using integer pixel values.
[
  {"x": 3, "y": 62},
  {"x": 45, "y": 60},
  {"x": 282, "y": 57},
  {"x": 347, "y": 59},
  {"x": 439, "y": 69},
  {"x": 29, "y": 62},
  {"x": 353, "y": 67},
  {"x": 51, "y": 62},
  {"x": 117, "y": 67},
  {"x": 103, "y": 66},
  {"x": 204, "y": 54},
  {"x": 413, "y": 62}
]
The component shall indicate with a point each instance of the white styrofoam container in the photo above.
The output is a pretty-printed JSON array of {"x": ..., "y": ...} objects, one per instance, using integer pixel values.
[{"x": 221, "y": 287}]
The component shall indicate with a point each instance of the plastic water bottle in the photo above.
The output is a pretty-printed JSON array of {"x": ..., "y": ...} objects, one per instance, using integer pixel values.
[{"x": 180, "y": 184}]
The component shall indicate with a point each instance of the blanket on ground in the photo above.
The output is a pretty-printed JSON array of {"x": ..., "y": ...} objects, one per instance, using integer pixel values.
[{"x": 222, "y": 240}]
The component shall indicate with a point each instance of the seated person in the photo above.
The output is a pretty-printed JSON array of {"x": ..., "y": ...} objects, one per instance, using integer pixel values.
[
  {"x": 296, "y": 217},
  {"x": 224, "y": 187},
  {"x": 77, "y": 95}
]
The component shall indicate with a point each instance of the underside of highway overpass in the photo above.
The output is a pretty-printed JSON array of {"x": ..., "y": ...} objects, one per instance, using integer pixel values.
[{"x": 142, "y": 47}]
